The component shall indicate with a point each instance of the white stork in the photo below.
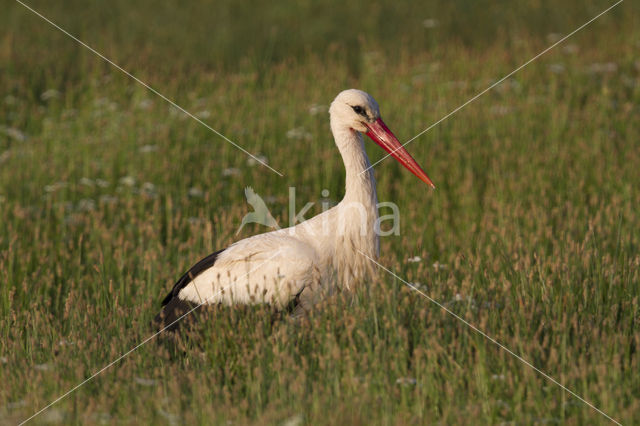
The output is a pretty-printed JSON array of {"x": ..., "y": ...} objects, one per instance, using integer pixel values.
[{"x": 298, "y": 264}]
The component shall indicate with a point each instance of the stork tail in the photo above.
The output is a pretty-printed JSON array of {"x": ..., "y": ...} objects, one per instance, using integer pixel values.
[{"x": 176, "y": 311}]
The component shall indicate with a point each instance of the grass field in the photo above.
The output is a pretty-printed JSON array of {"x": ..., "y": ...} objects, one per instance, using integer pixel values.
[{"x": 107, "y": 194}]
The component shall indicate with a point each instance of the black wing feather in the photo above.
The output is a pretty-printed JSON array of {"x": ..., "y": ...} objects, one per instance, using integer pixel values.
[{"x": 188, "y": 276}]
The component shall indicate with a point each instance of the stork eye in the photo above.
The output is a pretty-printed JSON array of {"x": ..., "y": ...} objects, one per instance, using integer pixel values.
[{"x": 359, "y": 110}]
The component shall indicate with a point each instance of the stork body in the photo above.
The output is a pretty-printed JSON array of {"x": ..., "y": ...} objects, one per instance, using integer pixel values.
[{"x": 302, "y": 262}]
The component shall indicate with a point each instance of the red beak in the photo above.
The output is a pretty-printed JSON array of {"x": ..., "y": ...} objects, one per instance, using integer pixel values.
[{"x": 380, "y": 134}]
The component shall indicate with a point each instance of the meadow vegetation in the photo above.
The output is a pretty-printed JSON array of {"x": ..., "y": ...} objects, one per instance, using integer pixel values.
[{"x": 107, "y": 194}]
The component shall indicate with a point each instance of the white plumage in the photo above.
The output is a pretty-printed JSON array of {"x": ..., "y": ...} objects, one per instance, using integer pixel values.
[{"x": 302, "y": 262}]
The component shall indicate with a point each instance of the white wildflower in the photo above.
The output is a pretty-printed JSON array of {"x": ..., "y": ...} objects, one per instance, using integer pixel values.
[
  {"x": 499, "y": 110},
  {"x": 231, "y": 171},
  {"x": 55, "y": 186},
  {"x": 102, "y": 418},
  {"x": 108, "y": 199},
  {"x": 16, "y": 404},
  {"x": 204, "y": 114},
  {"x": 145, "y": 104},
  {"x": 430, "y": 23},
  {"x": 105, "y": 104},
  {"x": 175, "y": 111},
  {"x": 87, "y": 182},
  {"x": 69, "y": 113},
  {"x": 556, "y": 68},
  {"x": 172, "y": 419},
  {"x": 148, "y": 148},
  {"x": 418, "y": 286},
  {"x": 298, "y": 133},
  {"x": 602, "y": 68},
  {"x": 50, "y": 94},
  {"x": 553, "y": 37},
  {"x": 52, "y": 416},
  {"x": 315, "y": 109},
  {"x": 128, "y": 180},
  {"x": 13, "y": 133},
  {"x": 295, "y": 420},
  {"x": 5, "y": 156},
  {"x": 196, "y": 221},
  {"x": 148, "y": 189},
  {"x": 145, "y": 382},
  {"x": 406, "y": 381},
  {"x": 86, "y": 205},
  {"x": 195, "y": 192},
  {"x": 252, "y": 161}
]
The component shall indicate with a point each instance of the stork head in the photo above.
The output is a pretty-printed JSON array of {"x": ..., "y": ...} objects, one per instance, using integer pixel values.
[{"x": 357, "y": 110}]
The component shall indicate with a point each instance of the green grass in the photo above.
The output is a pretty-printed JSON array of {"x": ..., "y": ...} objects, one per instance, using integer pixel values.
[{"x": 535, "y": 215}]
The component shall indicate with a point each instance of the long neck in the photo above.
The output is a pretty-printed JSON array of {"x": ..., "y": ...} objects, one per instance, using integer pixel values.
[
  {"x": 345, "y": 236},
  {"x": 360, "y": 183},
  {"x": 356, "y": 237}
]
